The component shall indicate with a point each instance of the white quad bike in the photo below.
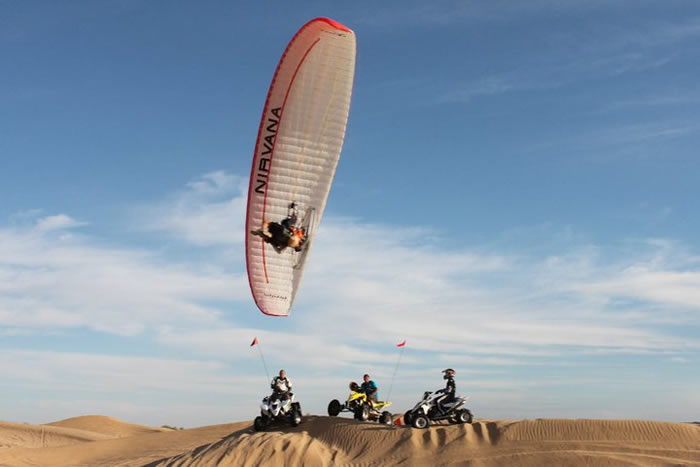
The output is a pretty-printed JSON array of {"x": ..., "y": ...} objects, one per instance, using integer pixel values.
[
  {"x": 426, "y": 411},
  {"x": 274, "y": 408}
]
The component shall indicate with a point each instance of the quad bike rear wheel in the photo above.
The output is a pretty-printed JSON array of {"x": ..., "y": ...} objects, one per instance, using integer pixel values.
[
  {"x": 464, "y": 416},
  {"x": 407, "y": 418}
]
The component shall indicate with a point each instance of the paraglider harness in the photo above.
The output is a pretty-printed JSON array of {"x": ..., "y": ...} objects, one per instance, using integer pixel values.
[{"x": 278, "y": 234}]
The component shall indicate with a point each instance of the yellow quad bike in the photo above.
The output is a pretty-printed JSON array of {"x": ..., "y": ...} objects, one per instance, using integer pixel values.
[{"x": 361, "y": 409}]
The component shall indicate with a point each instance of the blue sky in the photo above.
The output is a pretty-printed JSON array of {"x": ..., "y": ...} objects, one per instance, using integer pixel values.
[{"x": 516, "y": 198}]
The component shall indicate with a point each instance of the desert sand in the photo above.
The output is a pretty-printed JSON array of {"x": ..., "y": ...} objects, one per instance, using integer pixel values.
[{"x": 320, "y": 441}]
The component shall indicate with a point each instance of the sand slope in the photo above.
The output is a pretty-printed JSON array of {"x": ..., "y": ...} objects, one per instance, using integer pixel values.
[
  {"x": 327, "y": 441},
  {"x": 40, "y": 436},
  {"x": 337, "y": 441},
  {"x": 112, "y": 427}
]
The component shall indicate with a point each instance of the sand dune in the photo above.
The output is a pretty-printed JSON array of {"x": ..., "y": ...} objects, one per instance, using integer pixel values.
[
  {"x": 41, "y": 436},
  {"x": 112, "y": 427},
  {"x": 326, "y": 441},
  {"x": 323, "y": 441}
]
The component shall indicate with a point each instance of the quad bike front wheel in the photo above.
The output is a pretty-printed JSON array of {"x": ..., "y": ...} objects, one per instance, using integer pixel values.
[
  {"x": 295, "y": 417},
  {"x": 385, "y": 418},
  {"x": 362, "y": 413},
  {"x": 420, "y": 421},
  {"x": 260, "y": 423},
  {"x": 464, "y": 416},
  {"x": 407, "y": 418},
  {"x": 334, "y": 408}
]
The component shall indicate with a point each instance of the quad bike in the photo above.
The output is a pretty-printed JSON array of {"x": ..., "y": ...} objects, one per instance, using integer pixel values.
[
  {"x": 360, "y": 407},
  {"x": 427, "y": 411},
  {"x": 277, "y": 409}
]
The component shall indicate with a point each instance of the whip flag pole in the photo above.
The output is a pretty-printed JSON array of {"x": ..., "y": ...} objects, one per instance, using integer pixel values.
[
  {"x": 401, "y": 344},
  {"x": 257, "y": 343}
]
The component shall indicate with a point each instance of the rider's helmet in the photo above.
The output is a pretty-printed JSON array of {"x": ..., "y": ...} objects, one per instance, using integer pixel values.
[{"x": 449, "y": 373}]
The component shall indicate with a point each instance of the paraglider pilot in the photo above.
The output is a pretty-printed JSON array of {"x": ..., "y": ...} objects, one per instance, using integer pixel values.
[
  {"x": 283, "y": 234},
  {"x": 292, "y": 214}
]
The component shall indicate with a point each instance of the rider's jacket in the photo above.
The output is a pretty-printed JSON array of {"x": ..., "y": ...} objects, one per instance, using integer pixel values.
[
  {"x": 281, "y": 384},
  {"x": 369, "y": 388},
  {"x": 450, "y": 387}
]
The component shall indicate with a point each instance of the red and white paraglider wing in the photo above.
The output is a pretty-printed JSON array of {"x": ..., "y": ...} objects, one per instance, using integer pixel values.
[{"x": 299, "y": 142}]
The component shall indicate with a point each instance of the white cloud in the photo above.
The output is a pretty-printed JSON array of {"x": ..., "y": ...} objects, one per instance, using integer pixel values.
[
  {"x": 113, "y": 373},
  {"x": 392, "y": 282},
  {"x": 48, "y": 385},
  {"x": 671, "y": 288},
  {"x": 57, "y": 222},
  {"x": 209, "y": 212},
  {"x": 367, "y": 287},
  {"x": 48, "y": 281}
]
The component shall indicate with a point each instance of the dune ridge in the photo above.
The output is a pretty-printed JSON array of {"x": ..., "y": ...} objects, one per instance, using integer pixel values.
[
  {"x": 329, "y": 441},
  {"x": 326, "y": 441}
]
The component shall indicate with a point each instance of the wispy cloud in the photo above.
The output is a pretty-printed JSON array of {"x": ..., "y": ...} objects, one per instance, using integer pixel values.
[
  {"x": 451, "y": 12},
  {"x": 54, "y": 281},
  {"x": 656, "y": 98},
  {"x": 489, "y": 86},
  {"x": 57, "y": 222},
  {"x": 662, "y": 33},
  {"x": 575, "y": 57},
  {"x": 210, "y": 211},
  {"x": 556, "y": 72}
]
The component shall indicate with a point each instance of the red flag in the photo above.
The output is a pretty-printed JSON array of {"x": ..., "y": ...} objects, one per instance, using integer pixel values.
[
  {"x": 255, "y": 342},
  {"x": 401, "y": 344},
  {"x": 398, "y": 421}
]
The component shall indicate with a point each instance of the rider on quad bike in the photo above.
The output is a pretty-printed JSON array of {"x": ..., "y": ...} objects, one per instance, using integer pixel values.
[
  {"x": 280, "y": 406},
  {"x": 369, "y": 387},
  {"x": 359, "y": 404},
  {"x": 285, "y": 233},
  {"x": 448, "y": 394},
  {"x": 440, "y": 405},
  {"x": 281, "y": 386}
]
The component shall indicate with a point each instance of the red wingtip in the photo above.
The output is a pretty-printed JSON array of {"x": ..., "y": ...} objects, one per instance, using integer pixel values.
[{"x": 333, "y": 23}]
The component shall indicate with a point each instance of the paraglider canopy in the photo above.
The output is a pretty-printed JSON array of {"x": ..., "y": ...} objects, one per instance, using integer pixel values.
[{"x": 296, "y": 153}]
